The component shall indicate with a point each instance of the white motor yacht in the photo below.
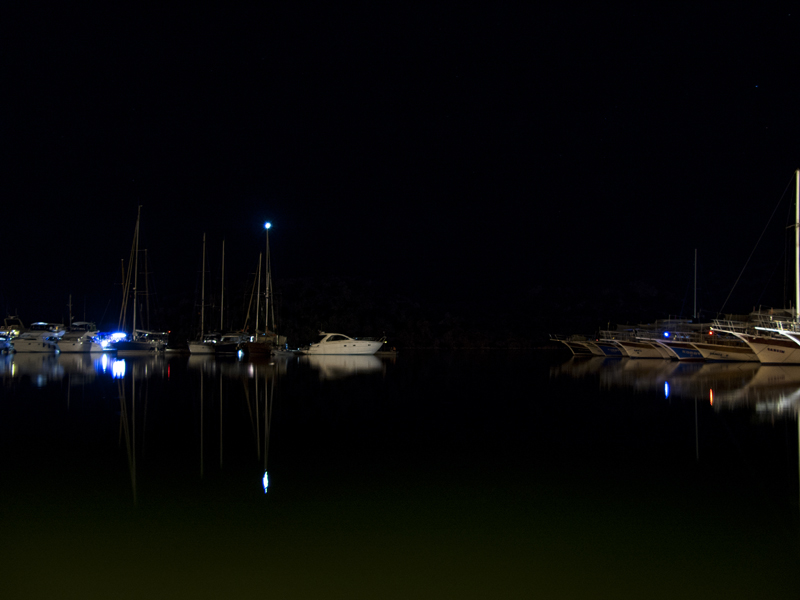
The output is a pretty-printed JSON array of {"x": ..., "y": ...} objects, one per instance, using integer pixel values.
[
  {"x": 80, "y": 338},
  {"x": 337, "y": 343},
  {"x": 39, "y": 337}
]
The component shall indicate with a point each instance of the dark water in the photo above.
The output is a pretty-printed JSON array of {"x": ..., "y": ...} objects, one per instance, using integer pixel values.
[{"x": 431, "y": 475}]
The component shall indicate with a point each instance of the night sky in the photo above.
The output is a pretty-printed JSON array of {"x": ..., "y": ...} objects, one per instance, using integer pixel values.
[{"x": 442, "y": 153}]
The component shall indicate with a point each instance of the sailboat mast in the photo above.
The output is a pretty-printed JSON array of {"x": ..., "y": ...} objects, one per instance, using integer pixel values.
[
  {"x": 272, "y": 304},
  {"x": 203, "y": 291},
  {"x": 222, "y": 294},
  {"x": 796, "y": 243},
  {"x": 146, "y": 291},
  {"x": 136, "y": 271},
  {"x": 258, "y": 292},
  {"x": 266, "y": 282}
]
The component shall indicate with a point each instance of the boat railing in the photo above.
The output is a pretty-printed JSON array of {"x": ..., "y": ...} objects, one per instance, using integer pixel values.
[
  {"x": 733, "y": 326},
  {"x": 575, "y": 337},
  {"x": 759, "y": 321},
  {"x": 625, "y": 336}
]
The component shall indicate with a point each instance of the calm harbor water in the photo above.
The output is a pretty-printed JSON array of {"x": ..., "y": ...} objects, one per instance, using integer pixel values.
[{"x": 427, "y": 475}]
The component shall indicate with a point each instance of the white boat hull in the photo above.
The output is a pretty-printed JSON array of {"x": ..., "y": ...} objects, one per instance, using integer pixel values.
[
  {"x": 71, "y": 346},
  {"x": 774, "y": 351},
  {"x": 577, "y": 348},
  {"x": 608, "y": 348},
  {"x": 724, "y": 353},
  {"x": 34, "y": 345},
  {"x": 353, "y": 347},
  {"x": 201, "y": 348},
  {"x": 640, "y": 349}
]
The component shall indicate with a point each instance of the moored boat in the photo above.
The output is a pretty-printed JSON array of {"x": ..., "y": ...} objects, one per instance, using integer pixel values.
[
  {"x": 143, "y": 342},
  {"x": 576, "y": 344},
  {"x": 337, "y": 343},
  {"x": 39, "y": 337},
  {"x": 80, "y": 337},
  {"x": 774, "y": 335}
]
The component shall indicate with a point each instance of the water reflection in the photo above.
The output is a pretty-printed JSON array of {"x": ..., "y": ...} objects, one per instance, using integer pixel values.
[
  {"x": 338, "y": 366},
  {"x": 774, "y": 389},
  {"x": 173, "y": 403},
  {"x": 230, "y": 384},
  {"x": 127, "y": 420},
  {"x": 769, "y": 391},
  {"x": 697, "y": 381},
  {"x": 41, "y": 369}
]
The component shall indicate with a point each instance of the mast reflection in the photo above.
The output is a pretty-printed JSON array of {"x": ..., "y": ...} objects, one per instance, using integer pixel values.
[{"x": 252, "y": 381}]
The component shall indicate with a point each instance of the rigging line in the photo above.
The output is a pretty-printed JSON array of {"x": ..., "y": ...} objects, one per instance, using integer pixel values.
[
  {"x": 735, "y": 283},
  {"x": 778, "y": 263}
]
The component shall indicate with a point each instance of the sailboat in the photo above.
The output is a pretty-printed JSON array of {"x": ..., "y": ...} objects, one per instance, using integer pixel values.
[
  {"x": 228, "y": 342},
  {"x": 141, "y": 341},
  {"x": 264, "y": 343},
  {"x": 773, "y": 335},
  {"x": 202, "y": 345}
]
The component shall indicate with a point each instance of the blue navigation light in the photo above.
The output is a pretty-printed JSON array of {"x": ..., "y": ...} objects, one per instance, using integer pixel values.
[
  {"x": 265, "y": 481},
  {"x": 666, "y": 334},
  {"x": 119, "y": 335},
  {"x": 267, "y": 225},
  {"x": 666, "y": 390}
]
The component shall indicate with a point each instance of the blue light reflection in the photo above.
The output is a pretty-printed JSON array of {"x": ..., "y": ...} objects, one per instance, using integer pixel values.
[{"x": 118, "y": 369}]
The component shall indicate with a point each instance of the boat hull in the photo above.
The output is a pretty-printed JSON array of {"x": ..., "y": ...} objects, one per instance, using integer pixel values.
[
  {"x": 135, "y": 348},
  {"x": 201, "y": 348},
  {"x": 774, "y": 351},
  {"x": 352, "y": 347},
  {"x": 640, "y": 349},
  {"x": 725, "y": 353},
  {"x": 34, "y": 345},
  {"x": 610, "y": 349},
  {"x": 257, "y": 348},
  {"x": 577, "y": 348},
  {"x": 684, "y": 351},
  {"x": 78, "y": 346}
]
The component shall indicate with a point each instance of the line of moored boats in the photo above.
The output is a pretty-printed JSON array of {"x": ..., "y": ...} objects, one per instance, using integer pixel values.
[
  {"x": 768, "y": 336},
  {"x": 83, "y": 337}
]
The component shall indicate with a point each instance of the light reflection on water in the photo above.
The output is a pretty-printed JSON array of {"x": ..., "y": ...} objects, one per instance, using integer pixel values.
[
  {"x": 338, "y": 366},
  {"x": 444, "y": 474},
  {"x": 769, "y": 392},
  {"x": 767, "y": 388}
]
